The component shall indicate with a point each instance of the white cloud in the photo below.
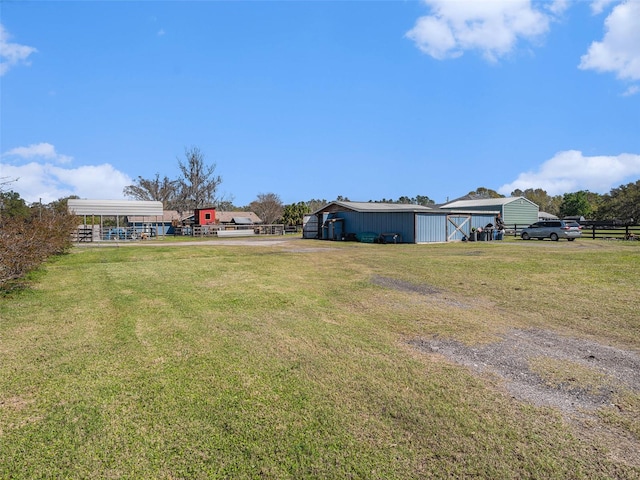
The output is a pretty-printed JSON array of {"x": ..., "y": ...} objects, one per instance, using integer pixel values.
[
  {"x": 557, "y": 7},
  {"x": 494, "y": 28},
  {"x": 619, "y": 50},
  {"x": 632, "y": 90},
  {"x": 49, "y": 182},
  {"x": 42, "y": 150},
  {"x": 44, "y": 178},
  {"x": 598, "y": 6},
  {"x": 571, "y": 171},
  {"x": 12, "y": 54}
]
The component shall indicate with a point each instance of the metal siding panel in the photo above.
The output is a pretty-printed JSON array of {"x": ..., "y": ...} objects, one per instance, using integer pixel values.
[
  {"x": 379, "y": 222},
  {"x": 482, "y": 219},
  {"x": 520, "y": 212},
  {"x": 431, "y": 228}
]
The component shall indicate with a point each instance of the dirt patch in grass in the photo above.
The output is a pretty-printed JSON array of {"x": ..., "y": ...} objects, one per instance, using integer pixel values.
[
  {"x": 425, "y": 290},
  {"x": 593, "y": 378},
  {"x": 403, "y": 286}
]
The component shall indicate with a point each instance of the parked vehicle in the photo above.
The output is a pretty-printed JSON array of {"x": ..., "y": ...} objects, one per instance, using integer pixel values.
[{"x": 553, "y": 229}]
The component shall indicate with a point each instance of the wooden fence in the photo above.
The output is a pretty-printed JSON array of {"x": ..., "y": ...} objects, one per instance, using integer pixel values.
[
  {"x": 611, "y": 232},
  {"x": 594, "y": 230},
  {"x": 232, "y": 231}
]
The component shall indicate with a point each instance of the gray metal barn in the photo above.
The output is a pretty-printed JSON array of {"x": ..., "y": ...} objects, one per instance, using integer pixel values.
[
  {"x": 395, "y": 223},
  {"x": 515, "y": 211}
]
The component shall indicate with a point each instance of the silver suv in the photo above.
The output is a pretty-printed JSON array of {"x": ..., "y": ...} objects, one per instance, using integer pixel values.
[{"x": 553, "y": 229}]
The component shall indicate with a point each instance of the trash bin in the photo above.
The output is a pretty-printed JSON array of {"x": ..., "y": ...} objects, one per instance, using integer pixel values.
[{"x": 499, "y": 234}]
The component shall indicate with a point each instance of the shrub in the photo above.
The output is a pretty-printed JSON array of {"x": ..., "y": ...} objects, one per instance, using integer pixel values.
[{"x": 28, "y": 240}]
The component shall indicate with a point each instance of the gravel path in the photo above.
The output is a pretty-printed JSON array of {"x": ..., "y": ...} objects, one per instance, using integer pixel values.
[{"x": 509, "y": 359}]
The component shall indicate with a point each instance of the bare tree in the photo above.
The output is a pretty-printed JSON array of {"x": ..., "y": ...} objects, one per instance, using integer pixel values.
[
  {"x": 268, "y": 207},
  {"x": 153, "y": 189},
  {"x": 198, "y": 185}
]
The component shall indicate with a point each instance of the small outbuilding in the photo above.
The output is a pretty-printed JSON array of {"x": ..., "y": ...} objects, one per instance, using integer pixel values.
[
  {"x": 515, "y": 211},
  {"x": 394, "y": 223},
  {"x": 204, "y": 216}
]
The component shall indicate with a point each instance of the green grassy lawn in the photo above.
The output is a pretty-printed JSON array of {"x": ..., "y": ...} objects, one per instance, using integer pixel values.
[{"x": 288, "y": 361}]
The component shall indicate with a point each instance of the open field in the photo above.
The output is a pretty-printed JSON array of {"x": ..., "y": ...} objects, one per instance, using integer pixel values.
[{"x": 308, "y": 359}]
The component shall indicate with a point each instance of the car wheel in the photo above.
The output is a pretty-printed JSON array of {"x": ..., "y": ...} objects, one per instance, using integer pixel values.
[
  {"x": 525, "y": 236},
  {"x": 554, "y": 237}
]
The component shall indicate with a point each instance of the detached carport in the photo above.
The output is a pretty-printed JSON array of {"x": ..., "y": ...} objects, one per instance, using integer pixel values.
[{"x": 150, "y": 210}]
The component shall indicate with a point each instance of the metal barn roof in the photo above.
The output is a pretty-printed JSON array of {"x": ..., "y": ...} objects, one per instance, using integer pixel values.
[
  {"x": 484, "y": 202},
  {"x": 373, "y": 207},
  {"x": 115, "y": 207}
]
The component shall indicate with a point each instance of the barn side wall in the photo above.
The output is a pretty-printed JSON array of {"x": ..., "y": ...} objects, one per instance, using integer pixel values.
[
  {"x": 413, "y": 227},
  {"x": 520, "y": 212},
  {"x": 379, "y": 222},
  {"x": 440, "y": 227},
  {"x": 431, "y": 228}
]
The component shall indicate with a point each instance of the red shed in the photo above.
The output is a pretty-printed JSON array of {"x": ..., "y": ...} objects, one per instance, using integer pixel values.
[{"x": 204, "y": 216}]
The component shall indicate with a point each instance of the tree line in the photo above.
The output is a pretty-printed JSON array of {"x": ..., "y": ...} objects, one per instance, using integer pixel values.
[{"x": 198, "y": 187}]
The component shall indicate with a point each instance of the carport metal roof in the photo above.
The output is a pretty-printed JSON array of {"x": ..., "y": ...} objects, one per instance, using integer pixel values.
[{"x": 115, "y": 207}]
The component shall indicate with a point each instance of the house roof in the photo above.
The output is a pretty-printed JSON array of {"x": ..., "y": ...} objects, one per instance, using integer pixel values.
[
  {"x": 373, "y": 207},
  {"x": 242, "y": 221},
  {"x": 484, "y": 202},
  {"x": 232, "y": 217}
]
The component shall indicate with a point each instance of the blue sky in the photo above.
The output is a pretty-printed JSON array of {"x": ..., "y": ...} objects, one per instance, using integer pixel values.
[{"x": 315, "y": 99}]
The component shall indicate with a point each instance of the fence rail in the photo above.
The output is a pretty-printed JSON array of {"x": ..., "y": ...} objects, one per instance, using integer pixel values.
[
  {"x": 594, "y": 231},
  {"x": 611, "y": 232},
  {"x": 233, "y": 231}
]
